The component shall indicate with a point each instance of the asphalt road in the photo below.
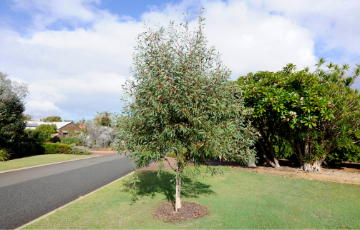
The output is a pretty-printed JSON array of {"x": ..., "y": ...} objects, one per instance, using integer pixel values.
[{"x": 28, "y": 194}]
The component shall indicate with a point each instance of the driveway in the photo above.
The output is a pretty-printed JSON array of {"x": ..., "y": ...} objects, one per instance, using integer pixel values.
[{"x": 28, "y": 194}]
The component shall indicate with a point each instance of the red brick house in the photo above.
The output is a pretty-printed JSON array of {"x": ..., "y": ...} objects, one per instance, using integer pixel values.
[{"x": 62, "y": 128}]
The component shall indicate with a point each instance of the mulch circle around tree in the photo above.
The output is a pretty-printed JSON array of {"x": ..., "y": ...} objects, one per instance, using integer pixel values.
[{"x": 188, "y": 211}]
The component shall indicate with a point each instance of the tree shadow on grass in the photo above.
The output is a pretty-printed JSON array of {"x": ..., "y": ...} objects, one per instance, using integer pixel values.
[{"x": 150, "y": 185}]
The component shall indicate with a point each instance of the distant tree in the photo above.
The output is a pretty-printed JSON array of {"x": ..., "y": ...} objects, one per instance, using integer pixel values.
[
  {"x": 28, "y": 117},
  {"x": 82, "y": 121},
  {"x": 181, "y": 101},
  {"x": 96, "y": 136},
  {"x": 53, "y": 119},
  {"x": 103, "y": 118},
  {"x": 12, "y": 123}
]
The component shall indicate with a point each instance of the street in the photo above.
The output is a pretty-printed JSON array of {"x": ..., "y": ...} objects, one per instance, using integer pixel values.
[{"x": 28, "y": 194}]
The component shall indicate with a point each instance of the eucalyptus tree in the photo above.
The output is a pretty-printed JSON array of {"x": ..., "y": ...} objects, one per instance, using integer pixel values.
[{"x": 180, "y": 100}]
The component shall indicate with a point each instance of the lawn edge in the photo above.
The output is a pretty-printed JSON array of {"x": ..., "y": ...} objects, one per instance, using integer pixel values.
[
  {"x": 35, "y": 166},
  {"x": 80, "y": 198}
]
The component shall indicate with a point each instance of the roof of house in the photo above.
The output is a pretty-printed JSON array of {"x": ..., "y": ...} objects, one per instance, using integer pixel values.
[
  {"x": 59, "y": 125},
  {"x": 31, "y": 125}
]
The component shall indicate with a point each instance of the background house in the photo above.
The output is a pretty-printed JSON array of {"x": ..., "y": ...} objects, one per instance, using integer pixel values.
[{"x": 62, "y": 128}]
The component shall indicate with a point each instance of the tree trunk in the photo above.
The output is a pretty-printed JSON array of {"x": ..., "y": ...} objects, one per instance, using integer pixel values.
[
  {"x": 178, "y": 187},
  {"x": 312, "y": 167},
  {"x": 274, "y": 164},
  {"x": 251, "y": 163}
]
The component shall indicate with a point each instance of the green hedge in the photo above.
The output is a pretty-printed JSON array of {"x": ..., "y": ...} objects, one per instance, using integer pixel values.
[
  {"x": 53, "y": 148},
  {"x": 79, "y": 151},
  {"x": 70, "y": 140}
]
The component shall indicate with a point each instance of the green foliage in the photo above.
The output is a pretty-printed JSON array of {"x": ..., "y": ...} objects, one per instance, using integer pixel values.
[
  {"x": 171, "y": 154},
  {"x": 79, "y": 151},
  {"x": 53, "y": 148},
  {"x": 70, "y": 140},
  {"x": 28, "y": 117},
  {"x": 346, "y": 153},
  {"x": 29, "y": 148},
  {"x": 181, "y": 99},
  {"x": 43, "y": 132},
  {"x": 53, "y": 119},
  {"x": 11, "y": 112},
  {"x": 314, "y": 112},
  {"x": 11, "y": 122},
  {"x": 282, "y": 102},
  {"x": 103, "y": 119},
  {"x": 4, "y": 155}
]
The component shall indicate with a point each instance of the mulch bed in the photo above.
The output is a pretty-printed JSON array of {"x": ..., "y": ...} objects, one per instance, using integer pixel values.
[{"x": 188, "y": 211}]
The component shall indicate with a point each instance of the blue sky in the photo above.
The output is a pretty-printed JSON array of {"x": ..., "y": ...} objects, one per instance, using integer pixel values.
[{"x": 76, "y": 54}]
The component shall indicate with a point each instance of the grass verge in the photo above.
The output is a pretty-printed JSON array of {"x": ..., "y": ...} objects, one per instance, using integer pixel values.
[
  {"x": 236, "y": 199},
  {"x": 37, "y": 160}
]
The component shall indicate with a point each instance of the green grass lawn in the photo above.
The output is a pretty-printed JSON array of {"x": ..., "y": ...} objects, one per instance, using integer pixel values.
[
  {"x": 236, "y": 199},
  {"x": 37, "y": 160}
]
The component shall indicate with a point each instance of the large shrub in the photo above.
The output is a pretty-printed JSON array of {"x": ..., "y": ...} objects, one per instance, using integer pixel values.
[
  {"x": 79, "y": 151},
  {"x": 4, "y": 154},
  {"x": 96, "y": 136},
  {"x": 43, "y": 132},
  {"x": 71, "y": 140},
  {"x": 53, "y": 148},
  {"x": 313, "y": 113},
  {"x": 11, "y": 112}
]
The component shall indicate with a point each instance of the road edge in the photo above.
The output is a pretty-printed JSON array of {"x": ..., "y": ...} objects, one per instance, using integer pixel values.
[
  {"x": 80, "y": 198},
  {"x": 36, "y": 166}
]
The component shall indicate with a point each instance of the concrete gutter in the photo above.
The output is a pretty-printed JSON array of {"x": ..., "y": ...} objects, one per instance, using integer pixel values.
[
  {"x": 35, "y": 166},
  {"x": 81, "y": 197}
]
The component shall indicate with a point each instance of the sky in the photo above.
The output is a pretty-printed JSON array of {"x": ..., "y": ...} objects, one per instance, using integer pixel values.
[{"x": 75, "y": 55}]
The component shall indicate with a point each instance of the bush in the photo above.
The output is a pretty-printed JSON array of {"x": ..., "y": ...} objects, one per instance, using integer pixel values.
[
  {"x": 70, "y": 140},
  {"x": 79, "y": 151},
  {"x": 52, "y": 148},
  {"x": 4, "y": 155},
  {"x": 171, "y": 154},
  {"x": 11, "y": 113},
  {"x": 96, "y": 136},
  {"x": 29, "y": 148},
  {"x": 43, "y": 132}
]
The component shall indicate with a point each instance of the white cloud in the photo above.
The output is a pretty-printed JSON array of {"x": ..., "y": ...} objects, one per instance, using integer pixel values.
[
  {"x": 47, "y": 12},
  {"x": 254, "y": 40},
  {"x": 334, "y": 23},
  {"x": 42, "y": 109},
  {"x": 75, "y": 73}
]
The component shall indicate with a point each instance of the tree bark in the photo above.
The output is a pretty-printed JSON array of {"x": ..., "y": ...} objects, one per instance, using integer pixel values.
[
  {"x": 312, "y": 167},
  {"x": 274, "y": 164},
  {"x": 178, "y": 187},
  {"x": 251, "y": 163}
]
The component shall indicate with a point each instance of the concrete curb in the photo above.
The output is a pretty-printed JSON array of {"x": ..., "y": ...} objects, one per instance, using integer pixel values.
[
  {"x": 35, "y": 166},
  {"x": 81, "y": 197}
]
